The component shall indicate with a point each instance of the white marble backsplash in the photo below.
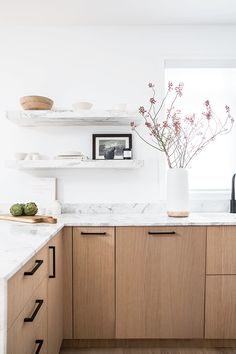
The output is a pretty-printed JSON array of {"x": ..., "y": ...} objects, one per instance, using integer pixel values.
[{"x": 197, "y": 206}]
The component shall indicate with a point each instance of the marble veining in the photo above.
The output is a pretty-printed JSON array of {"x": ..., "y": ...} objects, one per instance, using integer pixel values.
[{"x": 196, "y": 206}]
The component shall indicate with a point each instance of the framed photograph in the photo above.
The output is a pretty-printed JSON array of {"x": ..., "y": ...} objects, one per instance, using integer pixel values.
[{"x": 109, "y": 142}]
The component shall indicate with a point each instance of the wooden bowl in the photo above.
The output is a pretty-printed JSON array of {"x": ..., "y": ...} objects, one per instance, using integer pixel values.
[{"x": 36, "y": 103}]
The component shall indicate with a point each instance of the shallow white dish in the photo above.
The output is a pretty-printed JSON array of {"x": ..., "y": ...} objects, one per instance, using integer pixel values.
[
  {"x": 78, "y": 106},
  {"x": 20, "y": 155}
]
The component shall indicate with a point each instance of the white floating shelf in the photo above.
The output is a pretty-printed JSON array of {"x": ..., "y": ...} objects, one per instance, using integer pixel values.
[
  {"x": 73, "y": 164},
  {"x": 71, "y": 118}
]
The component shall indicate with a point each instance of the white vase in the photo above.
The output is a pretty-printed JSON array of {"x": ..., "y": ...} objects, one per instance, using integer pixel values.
[{"x": 177, "y": 192}]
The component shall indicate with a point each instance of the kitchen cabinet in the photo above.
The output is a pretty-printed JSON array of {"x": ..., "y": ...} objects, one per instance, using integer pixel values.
[
  {"x": 35, "y": 303},
  {"x": 220, "y": 317},
  {"x": 93, "y": 282},
  {"x": 124, "y": 283},
  {"x": 28, "y": 334},
  {"x": 220, "y": 307},
  {"x": 160, "y": 278},
  {"x": 55, "y": 294},
  {"x": 24, "y": 283},
  {"x": 221, "y": 250}
]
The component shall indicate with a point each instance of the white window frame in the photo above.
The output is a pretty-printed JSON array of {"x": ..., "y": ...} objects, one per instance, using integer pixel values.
[{"x": 202, "y": 194}]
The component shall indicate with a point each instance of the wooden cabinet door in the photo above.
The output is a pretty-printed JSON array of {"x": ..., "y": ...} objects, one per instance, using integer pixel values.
[
  {"x": 93, "y": 282},
  {"x": 160, "y": 278},
  {"x": 55, "y": 295},
  {"x": 220, "y": 307},
  {"x": 221, "y": 250}
]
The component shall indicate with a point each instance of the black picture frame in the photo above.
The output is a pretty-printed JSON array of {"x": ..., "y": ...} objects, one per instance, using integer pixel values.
[{"x": 95, "y": 156}]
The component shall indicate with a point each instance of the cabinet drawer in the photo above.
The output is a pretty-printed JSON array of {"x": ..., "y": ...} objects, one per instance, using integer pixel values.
[
  {"x": 221, "y": 250},
  {"x": 220, "y": 317},
  {"x": 22, "y": 336},
  {"x": 23, "y": 284}
]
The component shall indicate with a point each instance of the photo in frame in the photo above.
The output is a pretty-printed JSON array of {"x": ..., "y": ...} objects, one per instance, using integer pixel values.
[{"x": 103, "y": 143}]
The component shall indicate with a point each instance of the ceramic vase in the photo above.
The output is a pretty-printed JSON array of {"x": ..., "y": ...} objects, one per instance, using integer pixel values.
[{"x": 177, "y": 192}]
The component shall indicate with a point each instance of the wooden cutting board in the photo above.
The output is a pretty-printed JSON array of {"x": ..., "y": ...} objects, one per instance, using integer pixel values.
[{"x": 29, "y": 219}]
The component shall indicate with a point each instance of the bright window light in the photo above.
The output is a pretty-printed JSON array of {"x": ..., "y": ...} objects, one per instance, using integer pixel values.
[{"x": 214, "y": 166}]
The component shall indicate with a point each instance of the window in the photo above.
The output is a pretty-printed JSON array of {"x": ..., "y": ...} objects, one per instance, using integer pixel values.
[{"x": 214, "y": 166}]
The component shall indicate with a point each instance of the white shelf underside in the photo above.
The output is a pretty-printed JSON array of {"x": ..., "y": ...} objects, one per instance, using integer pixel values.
[
  {"x": 73, "y": 164},
  {"x": 71, "y": 118}
]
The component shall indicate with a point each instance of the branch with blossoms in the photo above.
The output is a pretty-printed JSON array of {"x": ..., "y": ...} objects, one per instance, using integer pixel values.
[{"x": 181, "y": 138}]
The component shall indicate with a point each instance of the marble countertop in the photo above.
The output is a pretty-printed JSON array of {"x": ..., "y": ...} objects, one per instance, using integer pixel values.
[
  {"x": 146, "y": 219},
  {"x": 19, "y": 241}
]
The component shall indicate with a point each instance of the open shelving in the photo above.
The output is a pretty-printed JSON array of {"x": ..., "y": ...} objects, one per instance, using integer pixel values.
[
  {"x": 72, "y": 118},
  {"x": 73, "y": 164}
]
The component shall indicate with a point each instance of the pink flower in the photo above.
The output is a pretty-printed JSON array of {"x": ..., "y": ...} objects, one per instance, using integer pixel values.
[
  {"x": 133, "y": 126},
  {"x": 142, "y": 110},
  {"x": 179, "y": 89},
  {"x": 190, "y": 119},
  {"x": 165, "y": 124},
  {"x": 208, "y": 113},
  {"x": 148, "y": 124},
  {"x": 179, "y": 136},
  {"x": 177, "y": 126},
  {"x": 227, "y": 109},
  {"x": 170, "y": 86}
]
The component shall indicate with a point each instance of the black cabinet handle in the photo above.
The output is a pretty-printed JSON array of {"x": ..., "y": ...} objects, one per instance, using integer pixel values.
[
  {"x": 38, "y": 263},
  {"x": 39, "y": 343},
  {"x": 53, "y": 248},
  {"x": 93, "y": 233},
  {"x": 161, "y": 232},
  {"x": 39, "y": 304}
]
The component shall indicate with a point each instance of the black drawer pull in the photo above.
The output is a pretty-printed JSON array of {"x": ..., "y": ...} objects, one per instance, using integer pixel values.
[
  {"x": 93, "y": 233},
  {"x": 38, "y": 263},
  {"x": 30, "y": 319},
  {"x": 161, "y": 232},
  {"x": 53, "y": 248},
  {"x": 39, "y": 343}
]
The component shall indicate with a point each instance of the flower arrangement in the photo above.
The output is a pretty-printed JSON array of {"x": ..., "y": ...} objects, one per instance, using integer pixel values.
[{"x": 181, "y": 138}]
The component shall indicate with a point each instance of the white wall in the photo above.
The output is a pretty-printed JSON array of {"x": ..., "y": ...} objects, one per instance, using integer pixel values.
[{"x": 105, "y": 65}]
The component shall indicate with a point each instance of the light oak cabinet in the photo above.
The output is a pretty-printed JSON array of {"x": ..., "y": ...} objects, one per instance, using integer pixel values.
[
  {"x": 24, "y": 283},
  {"x": 93, "y": 282},
  {"x": 160, "y": 278},
  {"x": 28, "y": 333},
  {"x": 220, "y": 315},
  {"x": 220, "y": 307},
  {"x": 35, "y": 303},
  {"x": 221, "y": 250},
  {"x": 55, "y": 294}
]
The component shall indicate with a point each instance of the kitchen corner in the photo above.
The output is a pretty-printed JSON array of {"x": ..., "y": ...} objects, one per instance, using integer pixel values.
[{"x": 117, "y": 177}]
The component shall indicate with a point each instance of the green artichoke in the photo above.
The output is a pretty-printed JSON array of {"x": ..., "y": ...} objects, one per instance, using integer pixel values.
[
  {"x": 30, "y": 209},
  {"x": 17, "y": 209}
]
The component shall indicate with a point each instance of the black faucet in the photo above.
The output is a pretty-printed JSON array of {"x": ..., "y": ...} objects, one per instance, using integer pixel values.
[{"x": 233, "y": 201}]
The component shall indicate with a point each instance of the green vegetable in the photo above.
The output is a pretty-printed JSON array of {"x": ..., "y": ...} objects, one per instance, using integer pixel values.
[
  {"x": 30, "y": 209},
  {"x": 17, "y": 209}
]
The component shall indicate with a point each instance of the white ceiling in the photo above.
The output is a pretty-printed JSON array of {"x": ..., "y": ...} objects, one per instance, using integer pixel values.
[{"x": 118, "y": 12}]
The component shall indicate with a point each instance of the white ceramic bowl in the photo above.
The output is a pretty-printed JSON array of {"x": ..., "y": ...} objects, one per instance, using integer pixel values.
[
  {"x": 78, "y": 106},
  {"x": 20, "y": 155},
  {"x": 120, "y": 107}
]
